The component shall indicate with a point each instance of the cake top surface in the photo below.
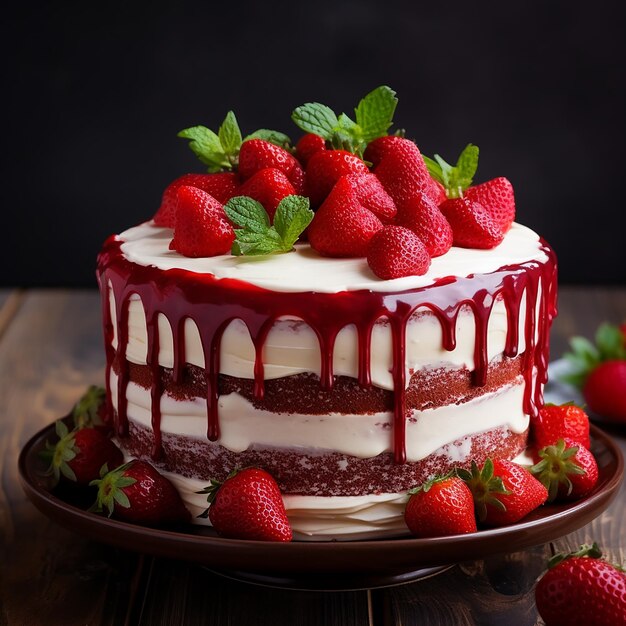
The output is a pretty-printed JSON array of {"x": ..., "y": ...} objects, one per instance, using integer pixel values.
[{"x": 305, "y": 270}]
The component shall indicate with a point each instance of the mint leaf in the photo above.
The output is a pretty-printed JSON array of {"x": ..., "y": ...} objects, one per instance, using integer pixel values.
[
  {"x": 293, "y": 215},
  {"x": 256, "y": 236},
  {"x": 316, "y": 118},
  {"x": 273, "y": 136},
  {"x": 248, "y": 213},
  {"x": 466, "y": 165},
  {"x": 374, "y": 113},
  {"x": 230, "y": 136},
  {"x": 206, "y": 145}
]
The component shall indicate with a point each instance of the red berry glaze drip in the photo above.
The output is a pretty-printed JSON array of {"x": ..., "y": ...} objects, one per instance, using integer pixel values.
[{"x": 213, "y": 303}]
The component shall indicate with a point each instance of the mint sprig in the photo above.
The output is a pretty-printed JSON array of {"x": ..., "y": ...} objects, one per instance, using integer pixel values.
[
  {"x": 585, "y": 355},
  {"x": 373, "y": 117},
  {"x": 455, "y": 178},
  {"x": 220, "y": 151},
  {"x": 256, "y": 236}
]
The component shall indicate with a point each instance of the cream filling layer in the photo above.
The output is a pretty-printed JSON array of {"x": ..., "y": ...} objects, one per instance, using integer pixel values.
[
  {"x": 363, "y": 436},
  {"x": 292, "y": 346}
]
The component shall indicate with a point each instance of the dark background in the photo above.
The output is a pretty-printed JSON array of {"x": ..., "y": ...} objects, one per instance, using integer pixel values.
[{"x": 94, "y": 94}]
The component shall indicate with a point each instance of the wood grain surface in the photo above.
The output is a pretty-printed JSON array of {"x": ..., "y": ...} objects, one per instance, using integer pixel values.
[{"x": 51, "y": 350}]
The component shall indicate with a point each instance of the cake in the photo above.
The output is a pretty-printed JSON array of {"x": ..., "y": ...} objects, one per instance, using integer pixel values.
[{"x": 348, "y": 389}]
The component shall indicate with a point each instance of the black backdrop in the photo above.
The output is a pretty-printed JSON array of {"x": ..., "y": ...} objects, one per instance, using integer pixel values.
[{"x": 94, "y": 94}]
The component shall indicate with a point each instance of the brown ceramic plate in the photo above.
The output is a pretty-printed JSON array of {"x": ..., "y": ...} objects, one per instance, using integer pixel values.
[{"x": 321, "y": 565}]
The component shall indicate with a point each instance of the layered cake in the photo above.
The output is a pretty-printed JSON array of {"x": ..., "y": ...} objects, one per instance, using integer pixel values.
[{"x": 348, "y": 389}]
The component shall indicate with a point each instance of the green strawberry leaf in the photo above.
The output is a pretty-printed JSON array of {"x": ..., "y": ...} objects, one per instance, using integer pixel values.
[
  {"x": 374, "y": 113},
  {"x": 456, "y": 179},
  {"x": 316, "y": 118},
  {"x": 273, "y": 136},
  {"x": 610, "y": 342},
  {"x": 230, "y": 137},
  {"x": 256, "y": 236}
]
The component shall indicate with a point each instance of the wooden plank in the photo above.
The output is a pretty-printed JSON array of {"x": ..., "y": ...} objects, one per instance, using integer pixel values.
[
  {"x": 49, "y": 353},
  {"x": 181, "y": 593}
]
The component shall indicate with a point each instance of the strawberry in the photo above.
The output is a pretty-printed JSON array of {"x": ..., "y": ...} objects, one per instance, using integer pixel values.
[
  {"x": 402, "y": 170},
  {"x": 268, "y": 186},
  {"x": 605, "y": 390},
  {"x": 342, "y": 226},
  {"x": 136, "y": 492},
  {"x": 582, "y": 589},
  {"x": 308, "y": 145},
  {"x": 556, "y": 422},
  {"x": 372, "y": 195},
  {"x": 504, "y": 492},
  {"x": 622, "y": 329},
  {"x": 442, "y": 506},
  {"x": 79, "y": 455},
  {"x": 222, "y": 186},
  {"x": 202, "y": 228},
  {"x": 257, "y": 154},
  {"x": 248, "y": 505},
  {"x": 598, "y": 369},
  {"x": 472, "y": 225},
  {"x": 395, "y": 251},
  {"x": 325, "y": 168},
  {"x": 90, "y": 411},
  {"x": 566, "y": 469},
  {"x": 422, "y": 215},
  {"x": 497, "y": 197}
]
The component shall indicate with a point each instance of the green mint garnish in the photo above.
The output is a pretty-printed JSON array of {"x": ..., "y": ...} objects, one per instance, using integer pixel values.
[
  {"x": 273, "y": 136},
  {"x": 373, "y": 115},
  {"x": 220, "y": 151},
  {"x": 455, "y": 178},
  {"x": 256, "y": 236}
]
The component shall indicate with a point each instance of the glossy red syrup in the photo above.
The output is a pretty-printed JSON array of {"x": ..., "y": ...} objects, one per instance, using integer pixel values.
[{"x": 213, "y": 303}]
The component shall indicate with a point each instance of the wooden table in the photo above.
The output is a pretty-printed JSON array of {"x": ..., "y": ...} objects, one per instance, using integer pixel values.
[{"x": 51, "y": 349}]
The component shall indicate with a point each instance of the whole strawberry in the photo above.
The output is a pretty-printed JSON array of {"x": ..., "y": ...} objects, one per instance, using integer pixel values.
[
  {"x": 248, "y": 505},
  {"x": 325, "y": 168},
  {"x": 402, "y": 170},
  {"x": 442, "y": 506},
  {"x": 472, "y": 225},
  {"x": 494, "y": 196},
  {"x": 582, "y": 589},
  {"x": 222, "y": 186},
  {"x": 395, "y": 251},
  {"x": 308, "y": 145},
  {"x": 202, "y": 228},
  {"x": 599, "y": 370},
  {"x": 422, "y": 215},
  {"x": 566, "y": 469},
  {"x": 268, "y": 186},
  {"x": 605, "y": 390},
  {"x": 342, "y": 226},
  {"x": 136, "y": 492},
  {"x": 79, "y": 455},
  {"x": 257, "y": 154},
  {"x": 504, "y": 492},
  {"x": 90, "y": 411},
  {"x": 559, "y": 421}
]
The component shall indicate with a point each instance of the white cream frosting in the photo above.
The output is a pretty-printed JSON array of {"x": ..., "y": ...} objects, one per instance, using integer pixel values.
[
  {"x": 364, "y": 436},
  {"x": 147, "y": 244}
]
